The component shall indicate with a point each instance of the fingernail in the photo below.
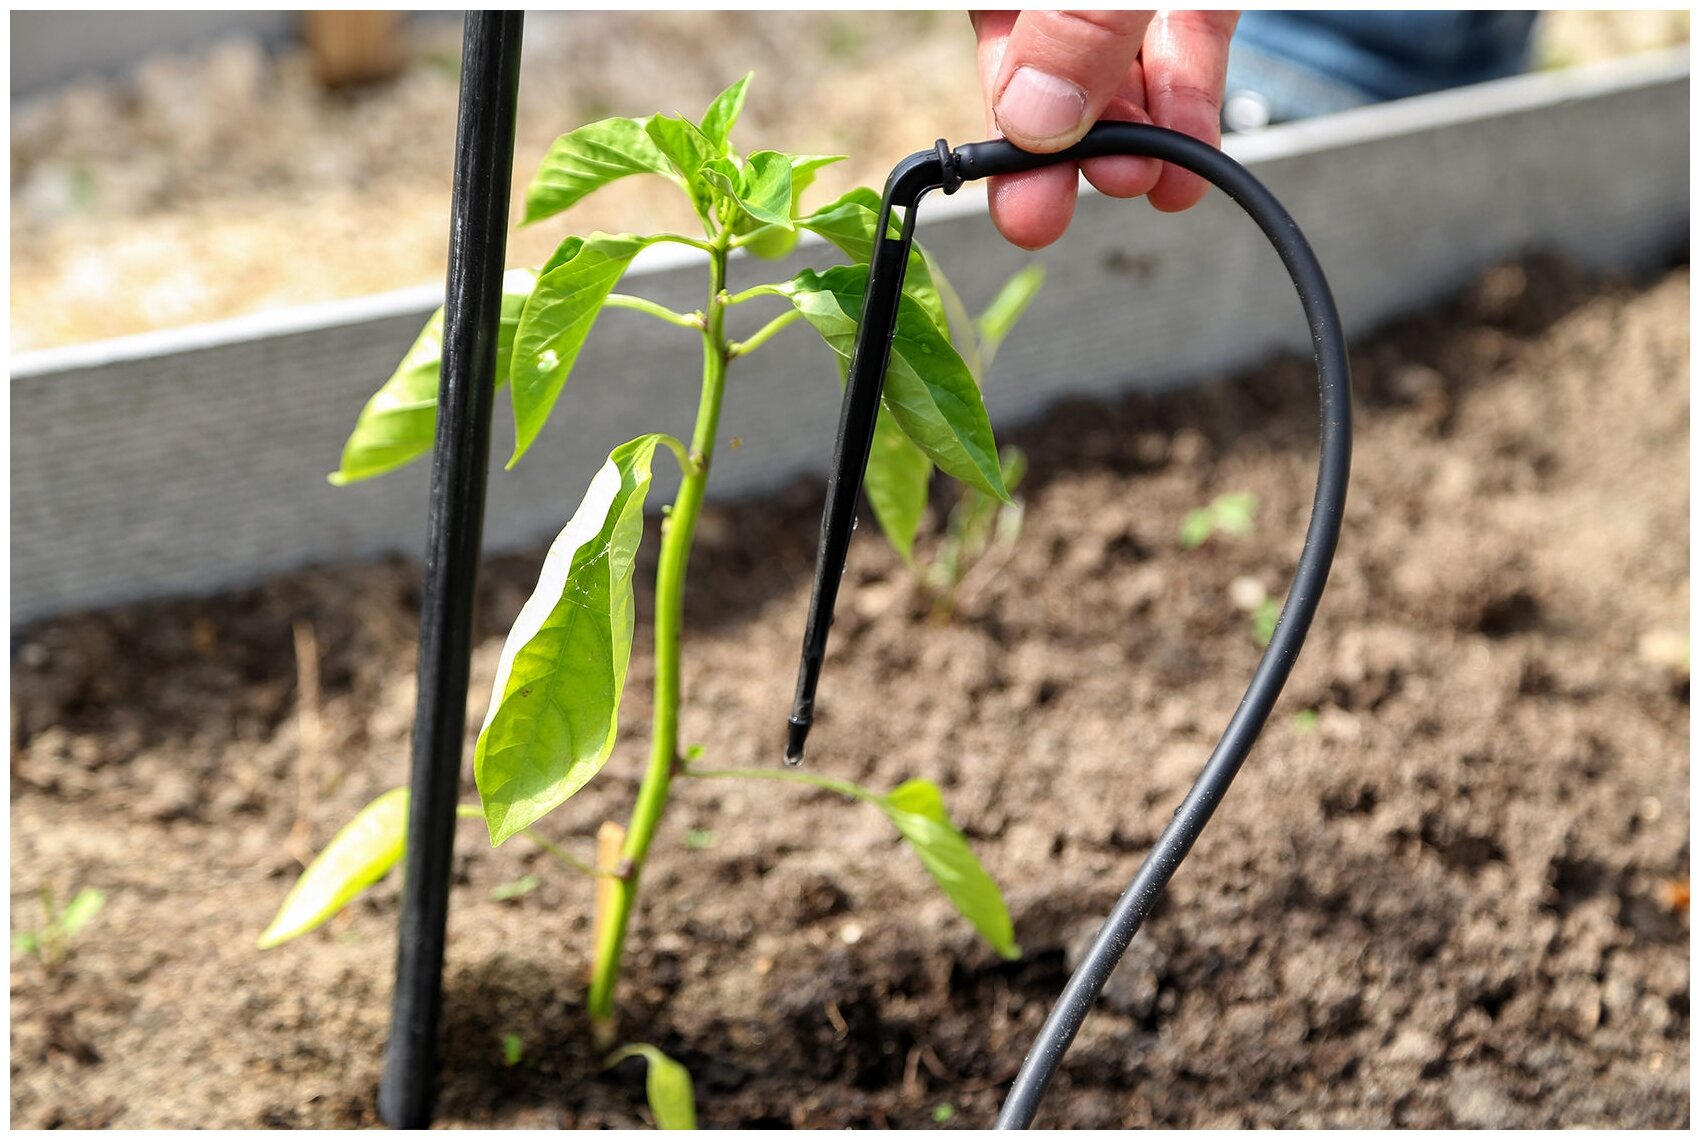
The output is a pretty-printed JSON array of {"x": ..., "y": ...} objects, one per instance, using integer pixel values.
[{"x": 1038, "y": 107}]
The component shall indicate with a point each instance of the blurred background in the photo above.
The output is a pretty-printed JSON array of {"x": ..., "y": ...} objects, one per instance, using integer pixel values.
[{"x": 184, "y": 167}]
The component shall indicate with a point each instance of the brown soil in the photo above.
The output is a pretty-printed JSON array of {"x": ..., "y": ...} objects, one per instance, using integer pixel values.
[{"x": 1449, "y": 901}]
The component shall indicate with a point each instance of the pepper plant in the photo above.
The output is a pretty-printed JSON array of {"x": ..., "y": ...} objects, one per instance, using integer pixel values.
[{"x": 554, "y": 711}]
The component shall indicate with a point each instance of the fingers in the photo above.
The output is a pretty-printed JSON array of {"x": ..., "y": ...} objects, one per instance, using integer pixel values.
[
  {"x": 1186, "y": 66},
  {"x": 1047, "y": 76},
  {"x": 1059, "y": 71},
  {"x": 1031, "y": 210},
  {"x": 991, "y": 38},
  {"x": 1124, "y": 176}
]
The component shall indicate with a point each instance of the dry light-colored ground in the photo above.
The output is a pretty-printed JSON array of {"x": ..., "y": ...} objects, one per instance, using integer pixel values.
[{"x": 226, "y": 181}]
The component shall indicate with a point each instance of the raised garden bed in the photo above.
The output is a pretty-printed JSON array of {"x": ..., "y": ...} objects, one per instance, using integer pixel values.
[{"x": 1448, "y": 897}]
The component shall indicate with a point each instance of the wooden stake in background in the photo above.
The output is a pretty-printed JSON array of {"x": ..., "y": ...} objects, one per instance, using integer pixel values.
[
  {"x": 610, "y": 840},
  {"x": 354, "y": 47},
  {"x": 309, "y": 736}
]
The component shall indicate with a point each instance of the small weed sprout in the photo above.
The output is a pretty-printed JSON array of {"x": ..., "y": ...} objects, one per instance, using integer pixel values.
[
  {"x": 51, "y": 944},
  {"x": 980, "y": 525},
  {"x": 1231, "y": 514},
  {"x": 513, "y": 1050},
  {"x": 667, "y": 1087},
  {"x": 979, "y": 538},
  {"x": 524, "y": 885},
  {"x": 1251, "y": 597},
  {"x": 554, "y": 713},
  {"x": 1263, "y": 620}
]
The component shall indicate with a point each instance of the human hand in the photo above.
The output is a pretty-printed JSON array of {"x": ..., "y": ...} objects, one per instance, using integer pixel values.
[{"x": 1048, "y": 76}]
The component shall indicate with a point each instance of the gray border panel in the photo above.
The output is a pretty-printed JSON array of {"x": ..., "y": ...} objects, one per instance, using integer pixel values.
[{"x": 193, "y": 460}]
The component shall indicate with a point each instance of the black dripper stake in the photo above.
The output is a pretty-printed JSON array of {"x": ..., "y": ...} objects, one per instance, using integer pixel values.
[{"x": 947, "y": 169}]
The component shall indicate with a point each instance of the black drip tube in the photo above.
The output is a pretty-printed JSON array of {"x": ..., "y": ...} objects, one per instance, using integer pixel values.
[{"x": 947, "y": 169}]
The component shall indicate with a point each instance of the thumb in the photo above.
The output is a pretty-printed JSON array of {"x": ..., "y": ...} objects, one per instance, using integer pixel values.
[{"x": 1059, "y": 72}]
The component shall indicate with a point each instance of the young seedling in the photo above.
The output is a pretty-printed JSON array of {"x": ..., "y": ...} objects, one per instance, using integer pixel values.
[
  {"x": 51, "y": 945},
  {"x": 520, "y": 887},
  {"x": 555, "y": 708},
  {"x": 979, "y": 538},
  {"x": 979, "y": 523},
  {"x": 667, "y": 1086},
  {"x": 1263, "y": 620},
  {"x": 1231, "y": 514},
  {"x": 1251, "y": 597},
  {"x": 513, "y": 1049}
]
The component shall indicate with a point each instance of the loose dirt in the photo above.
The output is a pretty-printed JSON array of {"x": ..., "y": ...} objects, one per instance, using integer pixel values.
[{"x": 1449, "y": 897}]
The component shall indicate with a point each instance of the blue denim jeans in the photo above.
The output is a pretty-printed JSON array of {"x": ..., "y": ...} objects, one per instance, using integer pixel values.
[{"x": 1293, "y": 65}]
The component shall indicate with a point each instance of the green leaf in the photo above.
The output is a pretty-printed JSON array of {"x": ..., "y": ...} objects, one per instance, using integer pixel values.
[
  {"x": 523, "y": 885},
  {"x": 722, "y": 114},
  {"x": 24, "y": 942},
  {"x": 399, "y": 423},
  {"x": 958, "y": 325},
  {"x": 1230, "y": 513},
  {"x": 850, "y": 223},
  {"x": 1264, "y": 619},
  {"x": 557, "y": 317},
  {"x": 1196, "y": 527},
  {"x": 777, "y": 241},
  {"x": 358, "y": 856},
  {"x": 565, "y": 252},
  {"x": 667, "y": 1087},
  {"x": 804, "y": 167},
  {"x": 928, "y": 388},
  {"x": 587, "y": 159},
  {"x": 1006, "y": 309},
  {"x": 762, "y": 189},
  {"x": 513, "y": 1050},
  {"x": 681, "y": 143},
  {"x": 918, "y": 811},
  {"x": 898, "y": 477},
  {"x": 80, "y": 910},
  {"x": 687, "y": 149},
  {"x": 1234, "y": 512},
  {"x": 556, "y": 704}
]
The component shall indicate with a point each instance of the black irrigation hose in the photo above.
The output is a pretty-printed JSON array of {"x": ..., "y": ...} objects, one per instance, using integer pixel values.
[{"x": 947, "y": 169}]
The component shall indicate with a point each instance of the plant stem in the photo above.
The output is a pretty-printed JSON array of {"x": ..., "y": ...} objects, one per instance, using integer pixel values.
[
  {"x": 681, "y": 239},
  {"x": 762, "y": 335},
  {"x": 473, "y": 811},
  {"x": 566, "y": 856},
  {"x": 754, "y": 291},
  {"x": 661, "y": 312},
  {"x": 677, "y": 531}
]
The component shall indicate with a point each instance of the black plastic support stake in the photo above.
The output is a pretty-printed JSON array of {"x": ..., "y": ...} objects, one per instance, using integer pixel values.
[{"x": 472, "y": 308}]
